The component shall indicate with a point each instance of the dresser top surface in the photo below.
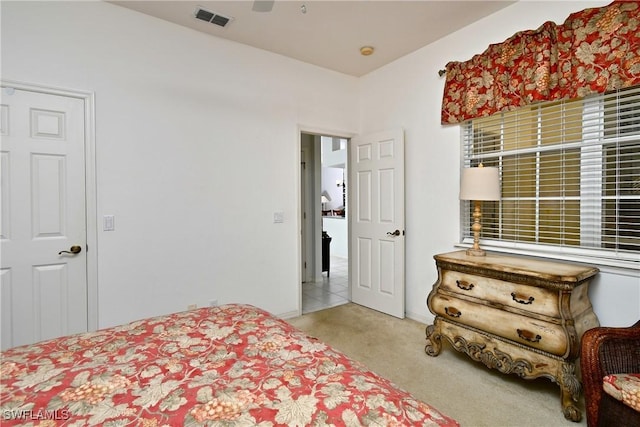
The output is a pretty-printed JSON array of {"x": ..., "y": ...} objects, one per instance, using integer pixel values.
[{"x": 549, "y": 270}]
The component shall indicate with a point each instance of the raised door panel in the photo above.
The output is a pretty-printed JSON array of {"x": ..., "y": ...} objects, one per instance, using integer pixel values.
[
  {"x": 6, "y": 305},
  {"x": 387, "y": 273},
  {"x": 5, "y": 197},
  {"x": 386, "y": 196},
  {"x": 364, "y": 196},
  {"x": 50, "y": 297},
  {"x": 364, "y": 254},
  {"x": 48, "y": 190}
]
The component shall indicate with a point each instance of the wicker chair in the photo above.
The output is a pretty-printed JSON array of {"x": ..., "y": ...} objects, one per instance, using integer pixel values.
[{"x": 606, "y": 351}]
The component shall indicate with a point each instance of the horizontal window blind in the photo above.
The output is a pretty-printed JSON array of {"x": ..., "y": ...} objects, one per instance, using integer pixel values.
[{"x": 570, "y": 175}]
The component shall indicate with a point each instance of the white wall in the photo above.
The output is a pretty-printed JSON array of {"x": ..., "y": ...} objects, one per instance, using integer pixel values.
[
  {"x": 337, "y": 228},
  {"x": 408, "y": 94},
  {"x": 329, "y": 178},
  {"x": 197, "y": 146}
]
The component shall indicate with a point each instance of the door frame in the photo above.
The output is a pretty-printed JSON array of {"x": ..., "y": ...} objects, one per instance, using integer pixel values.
[
  {"x": 326, "y": 132},
  {"x": 305, "y": 216},
  {"x": 90, "y": 185}
]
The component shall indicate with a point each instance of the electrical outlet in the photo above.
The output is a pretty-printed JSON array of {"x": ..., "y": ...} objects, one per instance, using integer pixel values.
[
  {"x": 213, "y": 303},
  {"x": 192, "y": 306}
]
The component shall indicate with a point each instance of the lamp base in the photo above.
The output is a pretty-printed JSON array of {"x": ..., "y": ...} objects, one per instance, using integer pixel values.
[
  {"x": 476, "y": 252},
  {"x": 476, "y": 227}
]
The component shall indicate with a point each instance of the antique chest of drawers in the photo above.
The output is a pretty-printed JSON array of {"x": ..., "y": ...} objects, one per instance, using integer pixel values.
[{"x": 515, "y": 314}]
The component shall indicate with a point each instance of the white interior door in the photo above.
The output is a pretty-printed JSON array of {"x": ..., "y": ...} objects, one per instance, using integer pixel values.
[
  {"x": 43, "y": 290},
  {"x": 377, "y": 221}
]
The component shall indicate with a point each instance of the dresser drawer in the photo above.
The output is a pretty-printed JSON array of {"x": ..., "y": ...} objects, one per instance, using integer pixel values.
[
  {"x": 530, "y": 332},
  {"x": 524, "y": 297}
]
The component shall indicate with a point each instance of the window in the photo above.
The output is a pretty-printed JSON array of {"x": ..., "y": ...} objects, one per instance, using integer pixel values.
[{"x": 570, "y": 174}]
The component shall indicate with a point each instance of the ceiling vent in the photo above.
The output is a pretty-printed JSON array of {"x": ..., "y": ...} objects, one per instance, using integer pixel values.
[{"x": 212, "y": 17}]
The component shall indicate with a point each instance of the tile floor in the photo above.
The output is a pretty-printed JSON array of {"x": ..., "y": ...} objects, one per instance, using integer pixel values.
[{"x": 331, "y": 291}]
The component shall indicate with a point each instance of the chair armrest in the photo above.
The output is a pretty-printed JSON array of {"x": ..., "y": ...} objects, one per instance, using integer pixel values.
[{"x": 605, "y": 351}]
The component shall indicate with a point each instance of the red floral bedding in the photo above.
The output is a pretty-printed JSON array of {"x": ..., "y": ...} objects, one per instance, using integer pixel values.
[{"x": 233, "y": 365}]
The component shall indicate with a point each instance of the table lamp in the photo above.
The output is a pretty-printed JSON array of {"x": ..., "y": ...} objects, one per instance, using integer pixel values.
[
  {"x": 479, "y": 184},
  {"x": 325, "y": 198}
]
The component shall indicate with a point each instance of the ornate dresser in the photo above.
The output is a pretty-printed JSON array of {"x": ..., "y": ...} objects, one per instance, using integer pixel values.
[{"x": 514, "y": 314}]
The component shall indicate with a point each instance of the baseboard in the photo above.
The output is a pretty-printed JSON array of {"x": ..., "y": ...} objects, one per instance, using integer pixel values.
[
  {"x": 288, "y": 315},
  {"x": 420, "y": 317}
]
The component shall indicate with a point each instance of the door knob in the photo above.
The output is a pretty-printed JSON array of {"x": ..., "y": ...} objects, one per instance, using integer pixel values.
[
  {"x": 75, "y": 249},
  {"x": 393, "y": 233}
]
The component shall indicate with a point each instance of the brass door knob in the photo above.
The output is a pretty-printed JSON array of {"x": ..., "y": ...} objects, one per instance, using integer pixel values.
[{"x": 75, "y": 249}]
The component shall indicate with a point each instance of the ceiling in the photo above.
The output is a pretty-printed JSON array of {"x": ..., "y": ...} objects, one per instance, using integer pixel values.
[{"x": 331, "y": 32}]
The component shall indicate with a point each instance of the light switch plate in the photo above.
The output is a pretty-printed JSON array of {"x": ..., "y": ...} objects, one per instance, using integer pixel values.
[
  {"x": 108, "y": 223},
  {"x": 278, "y": 217}
]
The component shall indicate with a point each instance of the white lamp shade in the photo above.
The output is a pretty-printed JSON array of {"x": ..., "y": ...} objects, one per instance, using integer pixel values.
[{"x": 480, "y": 184}]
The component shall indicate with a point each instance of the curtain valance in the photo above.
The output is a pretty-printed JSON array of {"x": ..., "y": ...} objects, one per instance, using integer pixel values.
[{"x": 593, "y": 51}]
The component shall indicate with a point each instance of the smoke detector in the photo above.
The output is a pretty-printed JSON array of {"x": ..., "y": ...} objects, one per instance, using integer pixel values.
[{"x": 366, "y": 50}]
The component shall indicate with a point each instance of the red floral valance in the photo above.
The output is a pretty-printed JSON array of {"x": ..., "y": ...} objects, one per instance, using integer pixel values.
[{"x": 593, "y": 51}]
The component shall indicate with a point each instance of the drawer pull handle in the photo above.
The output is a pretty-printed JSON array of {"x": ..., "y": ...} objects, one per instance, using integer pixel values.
[
  {"x": 464, "y": 285},
  {"x": 452, "y": 312},
  {"x": 521, "y": 300},
  {"x": 528, "y": 336}
]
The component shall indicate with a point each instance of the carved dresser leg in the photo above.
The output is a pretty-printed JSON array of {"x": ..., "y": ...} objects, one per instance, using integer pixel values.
[
  {"x": 434, "y": 343},
  {"x": 570, "y": 392}
]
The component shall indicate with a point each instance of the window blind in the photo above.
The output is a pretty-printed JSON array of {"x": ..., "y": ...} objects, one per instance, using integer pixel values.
[{"x": 570, "y": 175}]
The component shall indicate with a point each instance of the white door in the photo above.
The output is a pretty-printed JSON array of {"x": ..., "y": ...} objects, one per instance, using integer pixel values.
[
  {"x": 377, "y": 221},
  {"x": 43, "y": 289}
]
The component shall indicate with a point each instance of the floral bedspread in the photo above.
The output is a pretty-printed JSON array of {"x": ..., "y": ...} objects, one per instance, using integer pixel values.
[{"x": 233, "y": 365}]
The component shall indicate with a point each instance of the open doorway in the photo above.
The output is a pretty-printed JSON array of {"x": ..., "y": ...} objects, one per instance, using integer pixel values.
[{"x": 324, "y": 232}]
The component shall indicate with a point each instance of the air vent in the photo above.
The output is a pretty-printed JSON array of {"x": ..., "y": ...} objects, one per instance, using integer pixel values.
[{"x": 212, "y": 17}]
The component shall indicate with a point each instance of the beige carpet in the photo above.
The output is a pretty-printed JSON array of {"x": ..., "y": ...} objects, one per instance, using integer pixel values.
[{"x": 453, "y": 383}]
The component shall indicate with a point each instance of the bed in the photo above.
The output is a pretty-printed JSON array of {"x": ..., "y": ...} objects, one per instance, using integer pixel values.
[{"x": 232, "y": 365}]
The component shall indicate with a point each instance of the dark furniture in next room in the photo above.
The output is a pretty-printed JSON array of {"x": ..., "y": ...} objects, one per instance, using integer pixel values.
[{"x": 326, "y": 253}]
